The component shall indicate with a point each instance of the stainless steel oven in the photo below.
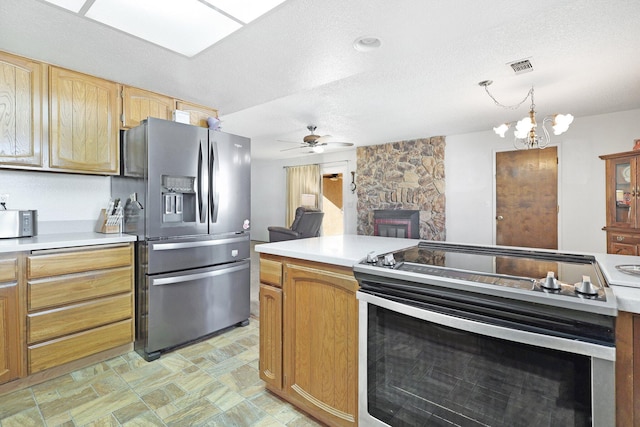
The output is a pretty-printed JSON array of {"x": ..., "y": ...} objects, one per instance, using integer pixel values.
[{"x": 485, "y": 336}]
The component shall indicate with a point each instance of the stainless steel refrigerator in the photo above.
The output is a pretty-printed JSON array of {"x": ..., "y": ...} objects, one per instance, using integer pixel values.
[{"x": 187, "y": 192}]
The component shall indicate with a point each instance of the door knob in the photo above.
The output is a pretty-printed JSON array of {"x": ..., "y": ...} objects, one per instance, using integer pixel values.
[{"x": 499, "y": 217}]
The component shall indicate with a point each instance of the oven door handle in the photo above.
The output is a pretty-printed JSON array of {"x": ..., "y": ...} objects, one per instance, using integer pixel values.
[{"x": 486, "y": 329}]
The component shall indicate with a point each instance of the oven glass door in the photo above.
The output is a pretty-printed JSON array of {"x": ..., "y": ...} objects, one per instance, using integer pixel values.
[{"x": 421, "y": 373}]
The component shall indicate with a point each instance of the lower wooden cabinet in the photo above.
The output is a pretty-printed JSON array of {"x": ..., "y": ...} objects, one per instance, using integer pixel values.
[
  {"x": 623, "y": 243},
  {"x": 315, "y": 341},
  {"x": 271, "y": 335},
  {"x": 628, "y": 369},
  {"x": 10, "y": 324},
  {"x": 79, "y": 303}
]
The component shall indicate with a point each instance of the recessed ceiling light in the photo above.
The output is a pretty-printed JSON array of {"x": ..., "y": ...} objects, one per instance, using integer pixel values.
[{"x": 366, "y": 43}]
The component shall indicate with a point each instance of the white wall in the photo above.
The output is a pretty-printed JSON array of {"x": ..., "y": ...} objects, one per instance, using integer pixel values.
[
  {"x": 469, "y": 173},
  {"x": 469, "y": 164},
  {"x": 56, "y": 196},
  {"x": 268, "y": 188}
]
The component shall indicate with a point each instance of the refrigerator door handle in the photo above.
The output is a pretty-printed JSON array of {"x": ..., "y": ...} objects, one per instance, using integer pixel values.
[
  {"x": 214, "y": 195},
  {"x": 197, "y": 276},
  {"x": 202, "y": 213},
  {"x": 196, "y": 244}
]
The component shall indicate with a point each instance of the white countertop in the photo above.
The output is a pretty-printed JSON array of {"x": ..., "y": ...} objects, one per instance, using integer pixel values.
[
  {"x": 347, "y": 250},
  {"x": 626, "y": 287},
  {"x": 62, "y": 240},
  {"x": 344, "y": 250}
]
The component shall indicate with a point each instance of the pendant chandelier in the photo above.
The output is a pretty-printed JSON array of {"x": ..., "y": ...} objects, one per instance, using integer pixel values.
[{"x": 524, "y": 135}]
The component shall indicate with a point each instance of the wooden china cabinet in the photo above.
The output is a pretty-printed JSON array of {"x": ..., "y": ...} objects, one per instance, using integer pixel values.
[
  {"x": 623, "y": 238},
  {"x": 623, "y": 202}
]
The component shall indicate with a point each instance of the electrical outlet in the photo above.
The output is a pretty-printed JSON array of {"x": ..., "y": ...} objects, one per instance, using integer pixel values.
[{"x": 4, "y": 198}]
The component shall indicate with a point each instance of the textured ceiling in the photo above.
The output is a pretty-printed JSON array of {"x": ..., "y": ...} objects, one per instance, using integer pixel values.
[{"x": 296, "y": 65}]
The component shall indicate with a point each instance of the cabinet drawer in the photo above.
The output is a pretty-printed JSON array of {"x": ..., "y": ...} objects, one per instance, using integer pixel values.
[
  {"x": 8, "y": 270},
  {"x": 54, "y": 323},
  {"x": 627, "y": 239},
  {"x": 271, "y": 272},
  {"x": 56, "y": 264},
  {"x": 44, "y": 293},
  {"x": 73, "y": 347}
]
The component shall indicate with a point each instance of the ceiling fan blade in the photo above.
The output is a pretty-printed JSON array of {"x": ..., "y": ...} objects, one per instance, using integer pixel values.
[
  {"x": 340, "y": 144},
  {"x": 295, "y": 148},
  {"x": 322, "y": 138}
]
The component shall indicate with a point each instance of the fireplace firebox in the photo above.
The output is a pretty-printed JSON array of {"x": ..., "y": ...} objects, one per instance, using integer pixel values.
[{"x": 396, "y": 223}]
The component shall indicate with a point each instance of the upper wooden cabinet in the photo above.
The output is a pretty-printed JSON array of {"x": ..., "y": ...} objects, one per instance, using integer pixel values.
[
  {"x": 84, "y": 133},
  {"x": 198, "y": 114},
  {"x": 22, "y": 95},
  {"x": 138, "y": 104},
  {"x": 623, "y": 202}
]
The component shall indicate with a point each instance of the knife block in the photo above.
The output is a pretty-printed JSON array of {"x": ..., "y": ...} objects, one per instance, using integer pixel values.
[{"x": 103, "y": 227}]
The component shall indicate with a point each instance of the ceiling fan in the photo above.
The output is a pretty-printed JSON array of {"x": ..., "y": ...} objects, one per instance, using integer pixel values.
[{"x": 316, "y": 142}]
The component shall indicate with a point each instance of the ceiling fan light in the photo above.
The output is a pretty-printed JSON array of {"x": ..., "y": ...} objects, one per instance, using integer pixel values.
[
  {"x": 501, "y": 130},
  {"x": 318, "y": 149}
]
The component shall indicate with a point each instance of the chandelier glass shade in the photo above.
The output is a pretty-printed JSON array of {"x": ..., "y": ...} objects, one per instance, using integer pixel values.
[{"x": 526, "y": 133}]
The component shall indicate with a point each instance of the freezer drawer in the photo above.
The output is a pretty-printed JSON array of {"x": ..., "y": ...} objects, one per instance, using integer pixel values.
[
  {"x": 184, "y": 306},
  {"x": 192, "y": 252}
]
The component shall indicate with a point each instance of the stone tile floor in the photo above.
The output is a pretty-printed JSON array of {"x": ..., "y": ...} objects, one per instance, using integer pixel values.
[{"x": 211, "y": 383}]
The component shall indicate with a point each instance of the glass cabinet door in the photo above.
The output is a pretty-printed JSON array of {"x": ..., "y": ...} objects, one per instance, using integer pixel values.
[{"x": 625, "y": 192}]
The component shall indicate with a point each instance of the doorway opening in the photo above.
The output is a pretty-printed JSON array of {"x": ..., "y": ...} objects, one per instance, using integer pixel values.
[{"x": 332, "y": 204}]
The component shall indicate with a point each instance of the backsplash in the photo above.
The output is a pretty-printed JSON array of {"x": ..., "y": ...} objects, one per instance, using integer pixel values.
[
  {"x": 62, "y": 200},
  {"x": 403, "y": 175}
]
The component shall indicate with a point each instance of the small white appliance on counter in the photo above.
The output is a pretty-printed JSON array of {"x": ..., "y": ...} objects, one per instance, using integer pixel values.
[{"x": 18, "y": 223}]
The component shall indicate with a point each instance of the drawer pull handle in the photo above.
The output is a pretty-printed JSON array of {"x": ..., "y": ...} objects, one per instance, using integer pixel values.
[{"x": 619, "y": 238}]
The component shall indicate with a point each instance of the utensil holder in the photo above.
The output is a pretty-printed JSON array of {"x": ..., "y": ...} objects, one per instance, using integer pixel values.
[{"x": 103, "y": 227}]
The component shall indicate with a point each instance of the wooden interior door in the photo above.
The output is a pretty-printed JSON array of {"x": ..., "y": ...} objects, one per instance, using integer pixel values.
[
  {"x": 527, "y": 198},
  {"x": 332, "y": 205}
]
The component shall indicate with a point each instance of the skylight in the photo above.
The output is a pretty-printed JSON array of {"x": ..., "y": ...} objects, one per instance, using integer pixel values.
[{"x": 185, "y": 26}]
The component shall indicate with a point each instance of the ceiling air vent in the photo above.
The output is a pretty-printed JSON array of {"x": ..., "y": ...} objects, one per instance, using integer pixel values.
[{"x": 521, "y": 66}]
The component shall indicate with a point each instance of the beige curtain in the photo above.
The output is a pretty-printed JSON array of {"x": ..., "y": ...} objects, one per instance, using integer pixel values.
[{"x": 301, "y": 180}]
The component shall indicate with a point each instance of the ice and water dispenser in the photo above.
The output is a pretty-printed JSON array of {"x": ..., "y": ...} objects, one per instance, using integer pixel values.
[{"x": 178, "y": 199}]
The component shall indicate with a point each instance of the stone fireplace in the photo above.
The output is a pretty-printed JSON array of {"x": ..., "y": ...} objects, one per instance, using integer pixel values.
[{"x": 405, "y": 175}]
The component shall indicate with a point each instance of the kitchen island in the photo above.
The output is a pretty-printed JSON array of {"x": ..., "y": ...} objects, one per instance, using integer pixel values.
[
  {"x": 309, "y": 321},
  {"x": 295, "y": 332}
]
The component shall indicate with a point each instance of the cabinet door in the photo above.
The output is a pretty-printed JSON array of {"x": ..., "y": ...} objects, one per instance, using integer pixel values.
[
  {"x": 321, "y": 341},
  {"x": 622, "y": 192},
  {"x": 198, "y": 114},
  {"x": 138, "y": 104},
  {"x": 271, "y": 335},
  {"x": 10, "y": 345},
  {"x": 21, "y": 97},
  {"x": 84, "y": 125}
]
